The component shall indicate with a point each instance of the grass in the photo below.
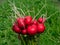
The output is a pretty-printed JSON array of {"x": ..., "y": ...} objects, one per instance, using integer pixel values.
[{"x": 51, "y": 36}]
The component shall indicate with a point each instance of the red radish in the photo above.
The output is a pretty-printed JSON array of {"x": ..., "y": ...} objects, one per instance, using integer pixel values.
[
  {"x": 15, "y": 28},
  {"x": 40, "y": 28},
  {"x": 28, "y": 20},
  {"x": 41, "y": 20},
  {"x": 32, "y": 30},
  {"x": 24, "y": 32},
  {"x": 20, "y": 22},
  {"x": 35, "y": 22}
]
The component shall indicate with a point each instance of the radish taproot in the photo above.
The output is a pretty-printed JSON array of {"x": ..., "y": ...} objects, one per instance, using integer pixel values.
[
  {"x": 32, "y": 30},
  {"x": 16, "y": 29},
  {"x": 24, "y": 32},
  {"x": 41, "y": 20},
  {"x": 35, "y": 22},
  {"x": 28, "y": 20},
  {"x": 40, "y": 28},
  {"x": 20, "y": 22}
]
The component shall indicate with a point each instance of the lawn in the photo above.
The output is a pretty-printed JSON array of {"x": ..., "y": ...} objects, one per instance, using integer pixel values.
[{"x": 51, "y": 35}]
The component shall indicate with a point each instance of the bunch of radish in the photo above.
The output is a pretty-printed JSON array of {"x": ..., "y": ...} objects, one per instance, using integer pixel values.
[{"x": 27, "y": 26}]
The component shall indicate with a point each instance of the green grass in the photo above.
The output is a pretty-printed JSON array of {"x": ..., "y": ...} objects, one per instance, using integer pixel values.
[{"x": 51, "y": 36}]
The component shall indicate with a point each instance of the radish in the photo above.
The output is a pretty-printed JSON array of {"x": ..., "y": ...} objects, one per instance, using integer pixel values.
[
  {"x": 32, "y": 30},
  {"x": 35, "y": 22},
  {"x": 20, "y": 22},
  {"x": 40, "y": 28},
  {"x": 16, "y": 29},
  {"x": 28, "y": 20},
  {"x": 24, "y": 32},
  {"x": 41, "y": 20}
]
